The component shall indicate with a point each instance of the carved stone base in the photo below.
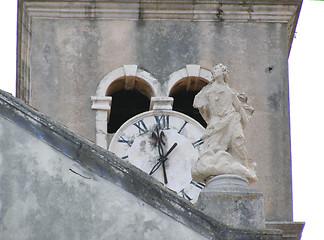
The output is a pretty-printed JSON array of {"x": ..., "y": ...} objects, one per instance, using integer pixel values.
[{"x": 229, "y": 199}]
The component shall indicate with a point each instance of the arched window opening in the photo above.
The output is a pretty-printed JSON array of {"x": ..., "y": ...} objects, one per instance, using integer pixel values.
[
  {"x": 130, "y": 84},
  {"x": 183, "y": 86},
  {"x": 184, "y": 92},
  {"x": 126, "y": 104},
  {"x": 115, "y": 93},
  {"x": 188, "y": 84},
  {"x": 183, "y": 102}
]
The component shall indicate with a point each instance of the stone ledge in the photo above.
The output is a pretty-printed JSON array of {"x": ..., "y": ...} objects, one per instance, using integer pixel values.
[{"x": 291, "y": 230}]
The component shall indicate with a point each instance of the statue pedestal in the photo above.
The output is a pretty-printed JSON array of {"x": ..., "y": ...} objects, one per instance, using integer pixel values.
[{"x": 229, "y": 199}]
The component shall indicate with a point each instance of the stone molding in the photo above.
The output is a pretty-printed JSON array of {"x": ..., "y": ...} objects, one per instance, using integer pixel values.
[
  {"x": 161, "y": 103},
  {"x": 101, "y": 103},
  {"x": 290, "y": 230},
  {"x": 102, "y": 106},
  {"x": 228, "y": 10}
]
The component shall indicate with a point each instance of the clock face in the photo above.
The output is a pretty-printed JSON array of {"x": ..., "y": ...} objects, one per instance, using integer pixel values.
[{"x": 165, "y": 144}]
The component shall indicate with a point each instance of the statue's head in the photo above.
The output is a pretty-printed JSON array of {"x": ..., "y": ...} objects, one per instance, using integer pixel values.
[{"x": 220, "y": 73}]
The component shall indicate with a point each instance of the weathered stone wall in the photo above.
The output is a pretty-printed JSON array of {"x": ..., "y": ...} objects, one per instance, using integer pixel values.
[{"x": 69, "y": 56}]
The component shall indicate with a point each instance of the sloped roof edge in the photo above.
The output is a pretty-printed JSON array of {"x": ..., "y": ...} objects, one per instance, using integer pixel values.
[{"x": 121, "y": 173}]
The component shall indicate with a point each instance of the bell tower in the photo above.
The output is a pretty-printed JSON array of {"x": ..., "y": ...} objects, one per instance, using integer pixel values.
[{"x": 94, "y": 65}]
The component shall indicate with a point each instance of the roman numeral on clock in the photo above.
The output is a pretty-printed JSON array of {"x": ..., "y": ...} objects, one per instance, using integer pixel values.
[
  {"x": 185, "y": 123},
  {"x": 162, "y": 122},
  {"x": 121, "y": 139},
  {"x": 197, "y": 143},
  {"x": 141, "y": 127},
  {"x": 185, "y": 195},
  {"x": 197, "y": 184}
]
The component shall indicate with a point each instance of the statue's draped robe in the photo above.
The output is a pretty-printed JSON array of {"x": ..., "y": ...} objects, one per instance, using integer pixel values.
[{"x": 224, "y": 143}]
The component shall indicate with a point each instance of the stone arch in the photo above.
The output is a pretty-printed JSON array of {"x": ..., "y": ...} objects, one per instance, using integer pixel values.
[
  {"x": 127, "y": 77},
  {"x": 190, "y": 78},
  {"x": 183, "y": 85}
]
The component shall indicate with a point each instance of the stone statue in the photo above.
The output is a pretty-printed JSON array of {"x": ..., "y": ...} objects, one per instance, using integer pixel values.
[{"x": 226, "y": 113}]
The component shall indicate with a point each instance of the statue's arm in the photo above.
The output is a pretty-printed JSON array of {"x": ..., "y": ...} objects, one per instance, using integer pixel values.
[
  {"x": 201, "y": 103},
  {"x": 200, "y": 99},
  {"x": 238, "y": 107}
]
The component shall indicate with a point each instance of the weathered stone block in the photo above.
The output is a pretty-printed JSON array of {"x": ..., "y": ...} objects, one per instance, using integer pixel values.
[{"x": 228, "y": 199}]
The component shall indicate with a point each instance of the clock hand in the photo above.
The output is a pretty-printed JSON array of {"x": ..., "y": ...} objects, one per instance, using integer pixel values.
[
  {"x": 163, "y": 163},
  {"x": 162, "y": 160},
  {"x": 171, "y": 149},
  {"x": 160, "y": 149},
  {"x": 159, "y": 141},
  {"x": 156, "y": 166},
  {"x": 164, "y": 172}
]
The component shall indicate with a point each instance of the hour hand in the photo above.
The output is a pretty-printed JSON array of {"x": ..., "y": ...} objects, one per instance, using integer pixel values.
[
  {"x": 156, "y": 167},
  {"x": 160, "y": 162},
  {"x": 164, "y": 159}
]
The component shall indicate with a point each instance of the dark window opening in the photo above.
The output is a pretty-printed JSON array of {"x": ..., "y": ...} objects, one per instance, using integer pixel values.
[
  {"x": 126, "y": 104},
  {"x": 183, "y": 103}
]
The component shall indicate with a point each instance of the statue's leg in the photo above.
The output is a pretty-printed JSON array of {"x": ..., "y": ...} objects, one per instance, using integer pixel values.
[{"x": 217, "y": 141}]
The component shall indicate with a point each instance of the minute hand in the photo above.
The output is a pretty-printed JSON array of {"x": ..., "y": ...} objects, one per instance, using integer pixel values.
[
  {"x": 162, "y": 159},
  {"x": 170, "y": 150},
  {"x": 163, "y": 163}
]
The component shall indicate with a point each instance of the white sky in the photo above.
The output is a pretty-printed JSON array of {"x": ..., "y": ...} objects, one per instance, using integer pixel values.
[{"x": 306, "y": 83}]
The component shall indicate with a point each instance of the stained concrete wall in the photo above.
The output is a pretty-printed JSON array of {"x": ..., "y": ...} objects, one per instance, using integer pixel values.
[
  {"x": 69, "y": 57},
  {"x": 46, "y": 195}
]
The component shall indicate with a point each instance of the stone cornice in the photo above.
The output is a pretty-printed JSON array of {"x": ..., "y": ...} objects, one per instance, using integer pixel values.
[{"x": 234, "y": 11}]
